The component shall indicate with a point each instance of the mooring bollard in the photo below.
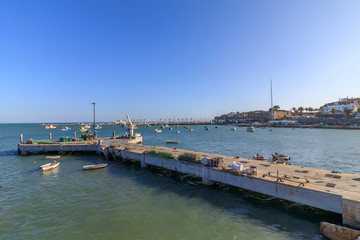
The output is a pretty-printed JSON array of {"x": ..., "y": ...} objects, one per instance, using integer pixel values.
[
  {"x": 50, "y": 137},
  {"x": 21, "y": 138}
]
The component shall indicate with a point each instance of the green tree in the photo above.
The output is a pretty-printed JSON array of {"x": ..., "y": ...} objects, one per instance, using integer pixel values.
[
  {"x": 333, "y": 111},
  {"x": 310, "y": 109},
  {"x": 301, "y": 109},
  {"x": 347, "y": 111}
]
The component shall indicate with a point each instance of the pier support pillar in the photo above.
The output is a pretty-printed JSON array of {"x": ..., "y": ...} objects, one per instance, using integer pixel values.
[
  {"x": 50, "y": 137},
  {"x": 99, "y": 147},
  {"x": 143, "y": 164},
  {"x": 205, "y": 175},
  {"x": 351, "y": 213}
]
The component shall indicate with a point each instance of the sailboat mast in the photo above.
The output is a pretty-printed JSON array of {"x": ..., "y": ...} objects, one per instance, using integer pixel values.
[{"x": 272, "y": 107}]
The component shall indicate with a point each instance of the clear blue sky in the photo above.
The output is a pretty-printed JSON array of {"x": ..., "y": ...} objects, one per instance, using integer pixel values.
[{"x": 173, "y": 59}]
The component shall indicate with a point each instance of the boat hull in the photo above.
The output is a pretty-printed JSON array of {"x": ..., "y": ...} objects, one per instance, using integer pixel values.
[
  {"x": 49, "y": 166},
  {"x": 94, "y": 166}
]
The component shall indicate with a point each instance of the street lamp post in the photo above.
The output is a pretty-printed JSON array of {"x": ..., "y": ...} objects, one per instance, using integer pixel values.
[{"x": 93, "y": 103}]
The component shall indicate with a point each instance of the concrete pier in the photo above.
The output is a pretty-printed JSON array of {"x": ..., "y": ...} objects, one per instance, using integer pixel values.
[{"x": 335, "y": 192}]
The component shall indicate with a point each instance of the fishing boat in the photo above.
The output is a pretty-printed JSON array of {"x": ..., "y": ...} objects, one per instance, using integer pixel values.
[
  {"x": 98, "y": 127},
  {"x": 66, "y": 128},
  {"x": 191, "y": 129},
  {"x": 50, "y": 126},
  {"x": 157, "y": 131},
  {"x": 259, "y": 157},
  {"x": 177, "y": 131},
  {"x": 82, "y": 129},
  {"x": 50, "y": 166},
  {"x": 94, "y": 166},
  {"x": 206, "y": 128},
  {"x": 172, "y": 142},
  {"x": 233, "y": 129},
  {"x": 280, "y": 157},
  {"x": 251, "y": 129},
  {"x": 53, "y": 157},
  {"x": 87, "y": 126}
]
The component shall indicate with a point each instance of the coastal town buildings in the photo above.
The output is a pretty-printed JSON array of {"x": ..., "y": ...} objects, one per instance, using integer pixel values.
[
  {"x": 252, "y": 116},
  {"x": 352, "y": 104}
]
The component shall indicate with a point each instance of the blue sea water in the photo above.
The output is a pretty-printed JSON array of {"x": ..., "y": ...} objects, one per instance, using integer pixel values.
[{"x": 127, "y": 202}]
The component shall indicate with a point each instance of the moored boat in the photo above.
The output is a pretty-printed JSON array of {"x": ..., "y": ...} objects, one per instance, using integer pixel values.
[
  {"x": 157, "y": 131},
  {"x": 233, "y": 129},
  {"x": 82, "y": 129},
  {"x": 94, "y": 166},
  {"x": 53, "y": 157},
  {"x": 50, "y": 126},
  {"x": 50, "y": 166},
  {"x": 259, "y": 157},
  {"x": 172, "y": 141},
  {"x": 98, "y": 127},
  {"x": 66, "y": 128},
  {"x": 251, "y": 129},
  {"x": 280, "y": 157}
]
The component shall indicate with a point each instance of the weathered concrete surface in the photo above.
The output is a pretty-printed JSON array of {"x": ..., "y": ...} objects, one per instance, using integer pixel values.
[
  {"x": 25, "y": 149},
  {"x": 351, "y": 211},
  {"x": 335, "y": 232}
]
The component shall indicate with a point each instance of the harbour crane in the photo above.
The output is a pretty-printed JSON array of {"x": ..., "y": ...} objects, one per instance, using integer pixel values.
[{"x": 131, "y": 127}]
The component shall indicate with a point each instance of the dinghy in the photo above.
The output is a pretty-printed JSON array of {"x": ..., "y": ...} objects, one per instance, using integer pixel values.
[
  {"x": 49, "y": 166},
  {"x": 94, "y": 166}
]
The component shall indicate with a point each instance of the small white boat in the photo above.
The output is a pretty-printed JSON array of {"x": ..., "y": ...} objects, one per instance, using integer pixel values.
[
  {"x": 50, "y": 126},
  {"x": 94, "y": 166},
  {"x": 66, "y": 128},
  {"x": 233, "y": 129},
  {"x": 53, "y": 157},
  {"x": 191, "y": 129},
  {"x": 87, "y": 126},
  {"x": 251, "y": 129},
  {"x": 173, "y": 142},
  {"x": 177, "y": 131},
  {"x": 50, "y": 166},
  {"x": 157, "y": 131},
  {"x": 98, "y": 127}
]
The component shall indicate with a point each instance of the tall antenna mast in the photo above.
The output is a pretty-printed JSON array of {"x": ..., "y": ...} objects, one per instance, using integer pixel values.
[{"x": 272, "y": 107}]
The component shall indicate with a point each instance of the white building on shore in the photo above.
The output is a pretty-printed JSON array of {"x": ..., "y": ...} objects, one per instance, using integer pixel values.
[{"x": 351, "y": 103}]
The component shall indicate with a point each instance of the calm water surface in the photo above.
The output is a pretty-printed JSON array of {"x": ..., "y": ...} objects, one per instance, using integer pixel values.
[{"x": 127, "y": 202}]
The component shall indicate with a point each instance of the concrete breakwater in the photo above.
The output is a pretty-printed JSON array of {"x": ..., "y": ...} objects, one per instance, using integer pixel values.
[{"x": 335, "y": 192}]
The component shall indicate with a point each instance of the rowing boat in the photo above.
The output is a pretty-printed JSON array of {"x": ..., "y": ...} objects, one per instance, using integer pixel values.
[
  {"x": 94, "y": 166},
  {"x": 49, "y": 166}
]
